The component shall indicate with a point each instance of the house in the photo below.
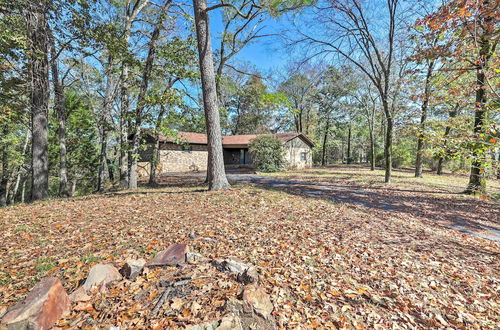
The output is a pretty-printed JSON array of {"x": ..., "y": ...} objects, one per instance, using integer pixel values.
[{"x": 187, "y": 152}]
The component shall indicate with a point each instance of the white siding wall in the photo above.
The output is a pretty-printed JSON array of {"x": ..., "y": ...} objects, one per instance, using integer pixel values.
[{"x": 293, "y": 150}]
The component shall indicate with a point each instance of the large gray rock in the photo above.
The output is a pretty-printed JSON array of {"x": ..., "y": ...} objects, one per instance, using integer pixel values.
[
  {"x": 43, "y": 306},
  {"x": 174, "y": 255},
  {"x": 101, "y": 274},
  {"x": 132, "y": 268}
]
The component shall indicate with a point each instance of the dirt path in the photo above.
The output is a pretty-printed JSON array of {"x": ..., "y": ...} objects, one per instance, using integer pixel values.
[{"x": 435, "y": 207}]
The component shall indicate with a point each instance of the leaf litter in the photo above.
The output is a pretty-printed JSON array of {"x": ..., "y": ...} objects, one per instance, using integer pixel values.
[{"x": 323, "y": 264}]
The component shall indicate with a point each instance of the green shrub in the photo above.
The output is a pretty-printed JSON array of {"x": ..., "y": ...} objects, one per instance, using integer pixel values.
[{"x": 268, "y": 153}]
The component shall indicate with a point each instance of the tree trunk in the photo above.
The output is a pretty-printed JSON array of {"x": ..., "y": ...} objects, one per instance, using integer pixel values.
[
  {"x": 349, "y": 160},
  {"x": 60, "y": 108},
  {"x": 423, "y": 118},
  {"x": 125, "y": 154},
  {"x": 439, "y": 170},
  {"x": 216, "y": 172},
  {"x": 103, "y": 176},
  {"x": 23, "y": 191},
  {"x": 4, "y": 176},
  {"x": 477, "y": 181},
  {"x": 447, "y": 130},
  {"x": 142, "y": 95},
  {"x": 323, "y": 154},
  {"x": 20, "y": 168},
  {"x": 372, "y": 148},
  {"x": 388, "y": 143},
  {"x": 123, "y": 160},
  {"x": 498, "y": 165},
  {"x": 73, "y": 186},
  {"x": 39, "y": 98},
  {"x": 155, "y": 156}
]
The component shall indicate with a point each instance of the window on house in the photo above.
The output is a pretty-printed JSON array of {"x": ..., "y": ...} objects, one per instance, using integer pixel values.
[
  {"x": 186, "y": 148},
  {"x": 303, "y": 156}
]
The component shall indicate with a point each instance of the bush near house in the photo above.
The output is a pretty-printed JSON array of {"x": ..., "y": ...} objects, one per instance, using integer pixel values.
[{"x": 268, "y": 153}]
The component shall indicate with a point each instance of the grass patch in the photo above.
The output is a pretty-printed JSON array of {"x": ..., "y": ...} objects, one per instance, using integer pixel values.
[
  {"x": 5, "y": 279},
  {"x": 90, "y": 259},
  {"x": 44, "y": 264}
]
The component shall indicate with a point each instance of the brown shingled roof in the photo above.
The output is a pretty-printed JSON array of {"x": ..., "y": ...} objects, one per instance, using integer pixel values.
[
  {"x": 234, "y": 141},
  {"x": 190, "y": 137}
]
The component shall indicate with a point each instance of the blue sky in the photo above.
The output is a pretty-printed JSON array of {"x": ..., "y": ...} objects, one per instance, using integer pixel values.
[{"x": 265, "y": 53}]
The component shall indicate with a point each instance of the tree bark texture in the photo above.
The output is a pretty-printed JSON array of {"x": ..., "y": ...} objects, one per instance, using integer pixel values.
[
  {"x": 325, "y": 137},
  {"x": 423, "y": 118},
  {"x": 349, "y": 134},
  {"x": 141, "y": 99},
  {"x": 4, "y": 176},
  {"x": 477, "y": 181},
  {"x": 103, "y": 176},
  {"x": 216, "y": 175},
  {"x": 39, "y": 96},
  {"x": 60, "y": 107}
]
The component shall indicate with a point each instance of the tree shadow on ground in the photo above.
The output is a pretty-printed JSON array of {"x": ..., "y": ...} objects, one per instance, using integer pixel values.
[{"x": 466, "y": 214}]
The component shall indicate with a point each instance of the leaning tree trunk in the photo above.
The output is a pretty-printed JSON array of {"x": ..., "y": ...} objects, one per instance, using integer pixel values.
[
  {"x": 423, "y": 118},
  {"x": 148, "y": 67},
  {"x": 216, "y": 172},
  {"x": 125, "y": 153},
  {"x": 61, "y": 118},
  {"x": 39, "y": 97}
]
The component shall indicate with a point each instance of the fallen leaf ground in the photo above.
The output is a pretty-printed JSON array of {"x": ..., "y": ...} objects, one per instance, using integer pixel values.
[{"x": 324, "y": 264}]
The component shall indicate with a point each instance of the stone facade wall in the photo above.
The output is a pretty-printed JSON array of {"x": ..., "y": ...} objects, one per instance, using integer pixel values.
[
  {"x": 293, "y": 150},
  {"x": 173, "y": 158}
]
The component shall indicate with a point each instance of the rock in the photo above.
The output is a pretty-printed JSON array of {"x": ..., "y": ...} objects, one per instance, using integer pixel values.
[
  {"x": 231, "y": 265},
  {"x": 42, "y": 307},
  {"x": 79, "y": 294},
  {"x": 205, "y": 326},
  {"x": 101, "y": 274},
  {"x": 192, "y": 257},
  {"x": 132, "y": 268},
  {"x": 248, "y": 276},
  {"x": 249, "y": 319},
  {"x": 230, "y": 322},
  {"x": 174, "y": 255},
  {"x": 3, "y": 311},
  {"x": 192, "y": 235},
  {"x": 257, "y": 297}
]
